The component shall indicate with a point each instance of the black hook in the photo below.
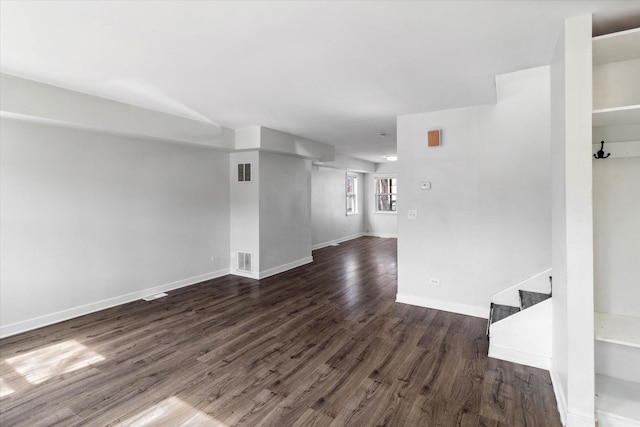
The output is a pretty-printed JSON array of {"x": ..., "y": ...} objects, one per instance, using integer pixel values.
[{"x": 600, "y": 153}]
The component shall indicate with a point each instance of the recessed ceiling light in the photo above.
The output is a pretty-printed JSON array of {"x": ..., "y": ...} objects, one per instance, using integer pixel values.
[{"x": 391, "y": 158}]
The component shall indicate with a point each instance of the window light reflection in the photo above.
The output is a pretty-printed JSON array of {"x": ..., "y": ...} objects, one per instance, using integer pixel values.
[
  {"x": 5, "y": 390},
  {"x": 40, "y": 365},
  {"x": 172, "y": 411}
]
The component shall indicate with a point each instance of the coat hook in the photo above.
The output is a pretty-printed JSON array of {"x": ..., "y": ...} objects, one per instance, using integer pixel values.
[{"x": 600, "y": 153}]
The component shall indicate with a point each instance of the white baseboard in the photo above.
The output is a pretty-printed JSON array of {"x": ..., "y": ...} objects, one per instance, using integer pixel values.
[
  {"x": 382, "y": 235},
  {"x": 609, "y": 420},
  {"x": 561, "y": 399},
  {"x": 521, "y": 357},
  {"x": 285, "y": 267},
  {"x": 568, "y": 419},
  {"x": 577, "y": 420},
  {"x": 453, "y": 307},
  {"x": 60, "y": 316},
  {"x": 336, "y": 241}
]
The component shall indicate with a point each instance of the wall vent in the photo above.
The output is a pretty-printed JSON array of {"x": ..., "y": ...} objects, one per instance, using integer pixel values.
[
  {"x": 244, "y": 172},
  {"x": 244, "y": 262}
]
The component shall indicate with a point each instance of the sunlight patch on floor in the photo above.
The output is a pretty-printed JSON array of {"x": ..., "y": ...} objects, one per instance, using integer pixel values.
[
  {"x": 5, "y": 390},
  {"x": 172, "y": 412},
  {"x": 40, "y": 365}
]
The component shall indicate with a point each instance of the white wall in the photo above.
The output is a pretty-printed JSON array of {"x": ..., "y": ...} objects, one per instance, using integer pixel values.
[
  {"x": 244, "y": 221},
  {"x": 90, "y": 220},
  {"x": 285, "y": 212},
  {"x": 329, "y": 222},
  {"x": 616, "y": 201},
  {"x": 572, "y": 243},
  {"x": 485, "y": 224},
  {"x": 379, "y": 224}
]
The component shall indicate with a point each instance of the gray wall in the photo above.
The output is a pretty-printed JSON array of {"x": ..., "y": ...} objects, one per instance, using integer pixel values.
[
  {"x": 329, "y": 221},
  {"x": 285, "y": 211},
  {"x": 244, "y": 221},
  {"x": 90, "y": 220}
]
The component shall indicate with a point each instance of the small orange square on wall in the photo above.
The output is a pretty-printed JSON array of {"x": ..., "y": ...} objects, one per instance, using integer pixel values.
[{"x": 433, "y": 139}]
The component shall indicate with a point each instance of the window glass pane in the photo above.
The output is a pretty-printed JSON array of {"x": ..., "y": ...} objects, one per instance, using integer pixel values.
[
  {"x": 385, "y": 194},
  {"x": 386, "y": 203}
]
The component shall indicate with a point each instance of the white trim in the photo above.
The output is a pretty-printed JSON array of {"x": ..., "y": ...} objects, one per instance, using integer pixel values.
[
  {"x": 382, "y": 235},
  {"x": 606, "y": 419},
  {"x": 60, "y": 316},
  {"x": 254, "y": 275},
  {"x": 577, "y": 420},
  {"x": 539, "y": 282},
  {"x": 559, "y": 392},
  {"x": 285, "y": 267},
  {"x": 336, "y": 241},
  {"x": 521, "y": 357},
  {"x": 469, "y": 310}
]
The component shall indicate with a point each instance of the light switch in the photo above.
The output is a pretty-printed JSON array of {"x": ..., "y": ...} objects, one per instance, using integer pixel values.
[
  {"x": 412, "y": 214},
  {"x": 425, "y": 186}
]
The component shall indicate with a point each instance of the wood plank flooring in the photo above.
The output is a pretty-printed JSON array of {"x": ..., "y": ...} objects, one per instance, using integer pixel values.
[{"x": 321, "y": 345}]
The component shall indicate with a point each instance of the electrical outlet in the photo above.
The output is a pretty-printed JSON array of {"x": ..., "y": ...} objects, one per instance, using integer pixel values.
[
  {"x": 412, "y": 214},
  {"x": 434, "y": 282}
]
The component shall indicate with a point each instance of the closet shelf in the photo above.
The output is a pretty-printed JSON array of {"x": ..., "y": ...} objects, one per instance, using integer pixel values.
[
  {"x": 618, "y": 398},
  {"x": 614, "y": 328},
  {"x": 616, "y": 47},
  {"x": 617, "y": 116}
]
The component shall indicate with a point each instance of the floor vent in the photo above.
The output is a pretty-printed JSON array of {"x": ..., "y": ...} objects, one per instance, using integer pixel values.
[
  {"x": 244, "y": 262},
  {"x": 155, "y": 296}
]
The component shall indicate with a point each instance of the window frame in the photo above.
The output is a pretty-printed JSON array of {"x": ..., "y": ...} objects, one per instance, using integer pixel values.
[
  {"x": 377, "y": 195},
  {"x": 351, "y": 194}
]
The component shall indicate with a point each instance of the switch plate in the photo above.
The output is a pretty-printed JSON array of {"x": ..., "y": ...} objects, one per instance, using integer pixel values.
[{"x": 412, "y": 214}]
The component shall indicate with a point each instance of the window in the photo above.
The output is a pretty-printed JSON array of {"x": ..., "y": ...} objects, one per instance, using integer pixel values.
[
  {"x": 386, "y": 193},
  {"x": 352, "y": 194},
  {"x": 244, "y": 172}
]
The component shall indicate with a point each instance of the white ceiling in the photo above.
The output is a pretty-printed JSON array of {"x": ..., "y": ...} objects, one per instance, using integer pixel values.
[{"x": 336, "y": 72}]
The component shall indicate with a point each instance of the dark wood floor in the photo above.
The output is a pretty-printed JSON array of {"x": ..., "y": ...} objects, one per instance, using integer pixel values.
[{"x": 320, "y": 345}]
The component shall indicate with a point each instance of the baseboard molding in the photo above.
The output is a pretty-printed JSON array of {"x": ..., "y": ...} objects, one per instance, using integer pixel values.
[
  {"x": 336, "y": 241},
  {"x": 285, "y": 267},
  {"x": 468, "y": 310},
  {"x": 561, "y": 399},
  {"x": 382, "y": 235},
  {"x": 60, "y": 316},
  {"x": 521, "y": 357},
  {"x": 576, "y": 420},
  {"x": 609, "y": 420}
]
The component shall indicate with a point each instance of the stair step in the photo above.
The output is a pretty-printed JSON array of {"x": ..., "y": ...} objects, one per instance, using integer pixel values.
[
  {"x": 528, "y": 298},
  {"x": 500, "y": 311}
]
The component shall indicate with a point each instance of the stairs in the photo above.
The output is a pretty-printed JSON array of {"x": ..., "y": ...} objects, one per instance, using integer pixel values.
[
  {"x": 527, "y": 299},
  {"x": 519, "y": 324}
]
